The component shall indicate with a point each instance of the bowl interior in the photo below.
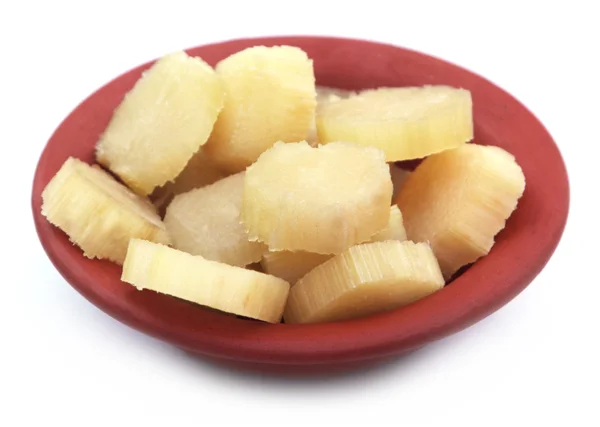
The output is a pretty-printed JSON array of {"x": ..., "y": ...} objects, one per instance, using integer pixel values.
[{"x": 520, "y": 252}]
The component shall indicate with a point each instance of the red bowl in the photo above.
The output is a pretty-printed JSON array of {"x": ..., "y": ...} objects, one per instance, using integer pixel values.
[{"x": 521, "y": 251}]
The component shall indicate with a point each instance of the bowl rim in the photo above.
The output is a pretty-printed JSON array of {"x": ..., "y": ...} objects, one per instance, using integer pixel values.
[{"x": 483, "y": 289}]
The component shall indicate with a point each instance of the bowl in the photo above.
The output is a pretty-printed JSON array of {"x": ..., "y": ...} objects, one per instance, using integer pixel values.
[{"x": 521, "y": 250}]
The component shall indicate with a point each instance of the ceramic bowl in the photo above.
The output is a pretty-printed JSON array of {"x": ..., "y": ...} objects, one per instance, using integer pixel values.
[{"x": 521, "y": 250}]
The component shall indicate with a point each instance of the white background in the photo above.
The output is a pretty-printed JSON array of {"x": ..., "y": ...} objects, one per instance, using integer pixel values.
[{"x": 64, "y": 362}]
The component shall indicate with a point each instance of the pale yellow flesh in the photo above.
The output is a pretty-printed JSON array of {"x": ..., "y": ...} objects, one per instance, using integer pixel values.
[
  {"x": 162, "y": 122},
  {"x": 366, "y": 279},
  {"x": 291, "y": 266},
  {"x": 206, "y": 221},
  {"x": 459, "y": 200},
  {"x": 395, "y": 228},
  {"x": 325, "y": 94},
  {"x": 399, "y": 175},
  {"x": 321, "y": 200},
  {"x": 98, "y": 213},
  {"x": 406, "y": 123},
  {"x": 270, "y": 97},
  {"x": 199, "y": 172},
  {"x": 332, "y": 94},
  {"x": 192, "y": 278}
]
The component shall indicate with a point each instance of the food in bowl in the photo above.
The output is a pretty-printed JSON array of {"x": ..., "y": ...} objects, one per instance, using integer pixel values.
[
  {"x": 98, "y": 213},
  {"x": 337, "y": 237},
  {"x": 162, "y": 122}
]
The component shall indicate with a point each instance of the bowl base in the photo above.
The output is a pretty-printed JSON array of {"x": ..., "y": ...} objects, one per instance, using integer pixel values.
[{"x": 298, "y": 370}]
